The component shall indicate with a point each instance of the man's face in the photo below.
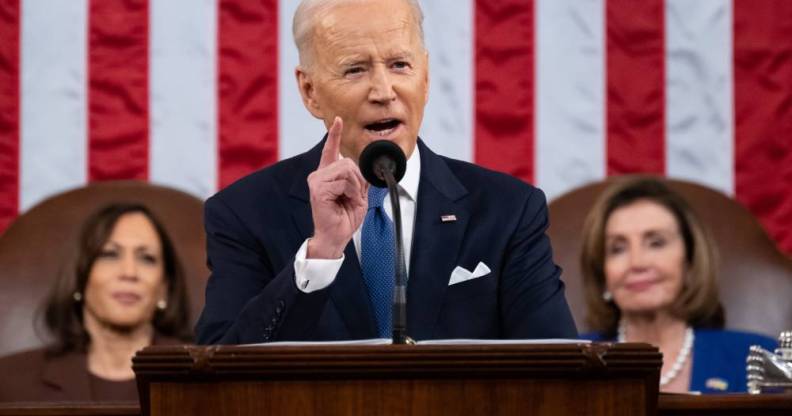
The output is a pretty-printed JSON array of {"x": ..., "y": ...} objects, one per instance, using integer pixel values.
[{"x": 370, "y": 68}]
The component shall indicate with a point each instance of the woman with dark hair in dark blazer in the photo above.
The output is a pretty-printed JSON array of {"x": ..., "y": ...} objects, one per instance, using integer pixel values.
[{"x": 126, "y": 291}]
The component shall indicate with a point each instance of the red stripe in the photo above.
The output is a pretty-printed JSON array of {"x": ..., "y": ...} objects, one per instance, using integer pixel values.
[
  {"x": 248, "y": 87},
  {"x": 635, "y": 86},
  {"x": 504, "y": 89},
  {"x": 118, "y": 89},
  {"x": 9, "y": 111},
  {"x": 763, "y": 113}
]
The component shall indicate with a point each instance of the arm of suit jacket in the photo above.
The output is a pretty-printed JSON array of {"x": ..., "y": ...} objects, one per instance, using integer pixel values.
[
  {"x": 533, "y": 303},
  {"x": 247, "y": 300}
]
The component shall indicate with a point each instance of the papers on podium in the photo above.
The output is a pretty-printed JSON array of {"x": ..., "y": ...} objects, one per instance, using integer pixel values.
[{"x": 388, "y": 341}]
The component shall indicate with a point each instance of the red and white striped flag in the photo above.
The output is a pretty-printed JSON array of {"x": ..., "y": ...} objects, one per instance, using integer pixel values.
[{"x": 196, "y": 93}]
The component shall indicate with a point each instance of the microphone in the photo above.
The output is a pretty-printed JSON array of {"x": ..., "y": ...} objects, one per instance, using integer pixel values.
[
  {"x": 382, "y": 156},
  {"x": 383, "y": 164}
]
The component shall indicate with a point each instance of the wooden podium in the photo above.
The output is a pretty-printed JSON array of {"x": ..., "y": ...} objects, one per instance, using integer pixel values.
[{"x": 557, "y": 379}]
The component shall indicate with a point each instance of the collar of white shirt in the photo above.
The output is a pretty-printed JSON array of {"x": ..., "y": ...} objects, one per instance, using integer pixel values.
[
  {"x": 316, "y": 274},
  {"x": 408, "y": 198},
  {"x": 409, "y": 183}
]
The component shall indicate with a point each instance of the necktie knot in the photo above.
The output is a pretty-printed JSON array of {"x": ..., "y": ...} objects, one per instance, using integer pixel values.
[{"x": 376, "y": 196}]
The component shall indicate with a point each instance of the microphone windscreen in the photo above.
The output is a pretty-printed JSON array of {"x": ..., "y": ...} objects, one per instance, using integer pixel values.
[{"x": 385, "y": 154}]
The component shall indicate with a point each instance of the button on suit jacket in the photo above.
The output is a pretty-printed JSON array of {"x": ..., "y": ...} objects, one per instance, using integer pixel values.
[{"x": 255, "y": 226}]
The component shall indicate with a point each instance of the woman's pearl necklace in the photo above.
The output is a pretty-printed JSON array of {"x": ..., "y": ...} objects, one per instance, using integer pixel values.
[{"x": 681, "y": 357}]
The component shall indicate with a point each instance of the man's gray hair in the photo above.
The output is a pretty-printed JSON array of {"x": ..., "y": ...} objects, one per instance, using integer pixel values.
[{"x": 305, "y": 19}]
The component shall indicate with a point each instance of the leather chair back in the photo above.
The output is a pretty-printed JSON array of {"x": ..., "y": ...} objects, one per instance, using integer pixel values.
[
  {"x": 42, "y": 242},
  {"x": 754, "y": 279}
]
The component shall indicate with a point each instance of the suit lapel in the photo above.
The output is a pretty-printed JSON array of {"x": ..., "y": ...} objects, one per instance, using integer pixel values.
[
  {"x": 350, "y": 295},
  {"x": 64, "y": 373},
  {"x": 436, "y": 244},
  {"x": 299, "y": 194},
  {"x": 348, "y": 292}
]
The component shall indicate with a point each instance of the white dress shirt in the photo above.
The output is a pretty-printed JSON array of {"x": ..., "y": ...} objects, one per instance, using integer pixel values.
[{"x": 316, "y": 274}]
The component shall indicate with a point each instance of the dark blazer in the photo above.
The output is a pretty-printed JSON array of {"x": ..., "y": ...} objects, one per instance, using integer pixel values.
[
  {"x": 718, "y": 359},
  {"x": 35, "y": 376},
  {"x": 255, "y": 227}
]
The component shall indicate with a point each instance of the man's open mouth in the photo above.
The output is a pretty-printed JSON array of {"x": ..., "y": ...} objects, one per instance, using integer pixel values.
[{"x": 383, "y": 127}]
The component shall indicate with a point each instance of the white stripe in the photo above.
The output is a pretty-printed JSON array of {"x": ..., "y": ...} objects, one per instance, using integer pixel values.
[
  {"x": 570, "y": 103},
  {"x": 53, "y": 95},
  {"x": 448, "y": 121},
  {"x": 298, "y": 130},
  {"x": 183, "y": 150},
  {"x": 699, "y": 116}
]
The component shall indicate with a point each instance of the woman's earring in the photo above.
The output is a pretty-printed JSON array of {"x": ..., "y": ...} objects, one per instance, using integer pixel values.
[
  {"x": 607, "y": 296},
  {"x": 77, "y": 296},
  {"x": 162, "y": 304}
]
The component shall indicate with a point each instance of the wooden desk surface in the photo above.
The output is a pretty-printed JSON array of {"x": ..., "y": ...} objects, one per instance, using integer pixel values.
[
  {"x": 725, "y": 404},
  {"x": 668, "y": 405},
  {"x": 69, "y": 409}
]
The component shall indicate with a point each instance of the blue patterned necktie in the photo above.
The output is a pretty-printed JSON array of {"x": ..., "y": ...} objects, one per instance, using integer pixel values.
[{"x": 377, "y": 259}]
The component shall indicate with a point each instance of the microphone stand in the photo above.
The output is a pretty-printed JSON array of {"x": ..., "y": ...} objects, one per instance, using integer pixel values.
[{"x": 399, "y": 306}]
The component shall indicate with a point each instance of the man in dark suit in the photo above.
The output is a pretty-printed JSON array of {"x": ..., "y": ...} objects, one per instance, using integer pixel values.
[{"x": 290, "y": 254}]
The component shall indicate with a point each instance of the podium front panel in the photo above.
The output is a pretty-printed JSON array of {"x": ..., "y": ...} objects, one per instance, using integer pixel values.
[{"x": 558, "y": 379}]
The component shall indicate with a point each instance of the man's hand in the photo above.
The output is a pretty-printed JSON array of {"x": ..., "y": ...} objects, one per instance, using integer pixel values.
[{"x": 339, "y": 199}]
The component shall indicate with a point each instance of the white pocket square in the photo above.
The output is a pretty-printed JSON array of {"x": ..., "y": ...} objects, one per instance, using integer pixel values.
[{"x": 461, "y": 274}]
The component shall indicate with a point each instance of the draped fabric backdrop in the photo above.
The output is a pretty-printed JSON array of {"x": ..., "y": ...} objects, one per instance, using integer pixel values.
[{"x": 196, "y": 93}]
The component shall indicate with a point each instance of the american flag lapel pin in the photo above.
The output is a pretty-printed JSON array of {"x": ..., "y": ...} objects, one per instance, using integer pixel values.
[{"x": 448, "y": 218}]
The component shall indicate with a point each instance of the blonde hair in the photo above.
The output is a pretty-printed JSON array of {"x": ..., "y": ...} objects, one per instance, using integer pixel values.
[{"x": 698, "y": 302}]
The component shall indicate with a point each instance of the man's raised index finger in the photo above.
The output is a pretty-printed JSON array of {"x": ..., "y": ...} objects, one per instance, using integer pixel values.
[{"x": 333, "y": 143}]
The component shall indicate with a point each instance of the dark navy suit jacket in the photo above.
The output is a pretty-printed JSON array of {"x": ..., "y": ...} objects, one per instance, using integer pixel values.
[{"x": 255, "y": 227}]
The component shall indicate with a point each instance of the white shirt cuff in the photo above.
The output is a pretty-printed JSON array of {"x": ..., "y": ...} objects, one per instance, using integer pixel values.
[{"x": 311, "y": 275}]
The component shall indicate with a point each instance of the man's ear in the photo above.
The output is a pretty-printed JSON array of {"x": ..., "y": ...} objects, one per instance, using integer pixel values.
[{"x": 305, "y": 84}]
